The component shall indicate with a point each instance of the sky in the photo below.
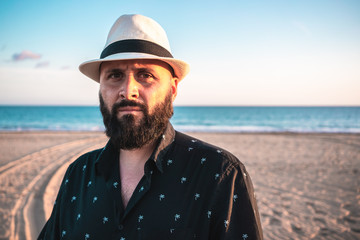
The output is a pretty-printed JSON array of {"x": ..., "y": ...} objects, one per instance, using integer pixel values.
[{"x": 246, "y": 53}]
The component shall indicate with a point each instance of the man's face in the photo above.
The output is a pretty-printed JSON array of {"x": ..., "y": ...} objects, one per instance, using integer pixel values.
[{"x": 136, "y": 100}]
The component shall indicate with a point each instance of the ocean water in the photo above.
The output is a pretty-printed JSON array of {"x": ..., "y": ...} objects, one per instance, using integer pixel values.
[{"x": 210, "y": 119}]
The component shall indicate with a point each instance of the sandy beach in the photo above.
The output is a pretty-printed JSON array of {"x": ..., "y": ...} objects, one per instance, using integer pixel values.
[{"x": 307, "y": 185}]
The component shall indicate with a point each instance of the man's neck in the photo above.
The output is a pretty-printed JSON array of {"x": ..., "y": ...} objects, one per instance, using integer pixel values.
[
  {"x": 135, "y": 157},
  {"x": 132, "y": 168}
]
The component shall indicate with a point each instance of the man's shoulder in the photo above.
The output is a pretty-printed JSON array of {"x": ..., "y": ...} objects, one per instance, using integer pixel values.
[
  {"x": 207, "y": 150},
  {"x": 86, "y": 158}
]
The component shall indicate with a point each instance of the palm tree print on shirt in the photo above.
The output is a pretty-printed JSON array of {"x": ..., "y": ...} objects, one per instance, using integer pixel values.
[
  {"x": 197, "y": 196},
  {"x": 183, "y": 179}
]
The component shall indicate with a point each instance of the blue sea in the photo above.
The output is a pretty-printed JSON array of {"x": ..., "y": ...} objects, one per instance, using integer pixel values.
[{"x": 199, "y": 119}]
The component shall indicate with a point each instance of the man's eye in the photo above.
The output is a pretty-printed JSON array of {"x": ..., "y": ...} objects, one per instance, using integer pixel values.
[
  {"x": 146, "y": 76},
  {"x": 115, "y": 75}
]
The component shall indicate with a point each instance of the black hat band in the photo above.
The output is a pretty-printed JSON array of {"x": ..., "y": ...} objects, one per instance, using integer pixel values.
[{"x": 135, "y": 45}]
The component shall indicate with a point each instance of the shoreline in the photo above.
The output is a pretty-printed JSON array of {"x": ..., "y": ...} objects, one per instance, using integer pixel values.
[
  {"x": 307, "y": 184},
  {"x": 187, "y": 132}
]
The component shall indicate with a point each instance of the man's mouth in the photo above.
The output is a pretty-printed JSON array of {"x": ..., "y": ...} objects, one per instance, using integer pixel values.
[{"x": 129, "y": 109}]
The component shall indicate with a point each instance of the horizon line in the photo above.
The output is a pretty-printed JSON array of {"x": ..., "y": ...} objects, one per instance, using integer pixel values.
[{"x": 180, "y": 105}]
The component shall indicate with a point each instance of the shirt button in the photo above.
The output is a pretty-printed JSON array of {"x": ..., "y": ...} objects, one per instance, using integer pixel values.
[{"x": 121, "y": 227}]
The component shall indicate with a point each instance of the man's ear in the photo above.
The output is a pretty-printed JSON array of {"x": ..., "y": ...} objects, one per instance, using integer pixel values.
[{"x": 174, "y": 85}]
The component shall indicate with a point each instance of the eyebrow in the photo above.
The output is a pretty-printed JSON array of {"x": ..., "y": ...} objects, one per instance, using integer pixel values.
[
  {"x": 145, "y": 69},
  {"x": 117, "y": 69},
  {"x": 113, "y": 70},
  {"x": 138, "y": 70}
]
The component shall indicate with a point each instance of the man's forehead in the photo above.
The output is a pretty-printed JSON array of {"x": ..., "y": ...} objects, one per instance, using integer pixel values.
[
  {"x": 138, "y": 63},
  {"x": 135, "y": 63}
]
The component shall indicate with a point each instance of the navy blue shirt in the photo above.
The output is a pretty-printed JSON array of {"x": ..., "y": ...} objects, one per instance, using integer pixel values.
[{"x": 190, "y": 190}]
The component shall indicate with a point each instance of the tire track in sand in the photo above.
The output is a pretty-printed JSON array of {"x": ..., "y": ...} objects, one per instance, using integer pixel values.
[
  {"x": 22, "y": 182},
  {"x": 43, "y": 200}
]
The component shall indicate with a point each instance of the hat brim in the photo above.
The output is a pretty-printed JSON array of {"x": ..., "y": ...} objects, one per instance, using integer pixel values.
[{"x": 91, "y": 68}]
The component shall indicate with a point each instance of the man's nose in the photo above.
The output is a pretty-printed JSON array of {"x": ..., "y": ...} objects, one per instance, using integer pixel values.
[{"x": 130, "y": 89}]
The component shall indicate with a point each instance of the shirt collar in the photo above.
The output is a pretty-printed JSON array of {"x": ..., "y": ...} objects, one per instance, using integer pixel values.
[
  {"x": 109, "y": 156},
  {"x": 163, "y": 147},
  {"x": 107, "y": 160}
]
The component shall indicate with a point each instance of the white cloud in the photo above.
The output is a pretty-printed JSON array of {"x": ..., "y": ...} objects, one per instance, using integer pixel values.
[
  {"x": 25, "y": 55},
  {"x": 42, "y": 64}
]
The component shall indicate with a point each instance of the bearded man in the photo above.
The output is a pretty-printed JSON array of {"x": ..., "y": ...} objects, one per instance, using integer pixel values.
[{"x": 149, "y": 181}]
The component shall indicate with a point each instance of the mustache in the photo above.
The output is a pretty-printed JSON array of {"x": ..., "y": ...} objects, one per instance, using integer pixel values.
[{"x": 128, "y": 103}]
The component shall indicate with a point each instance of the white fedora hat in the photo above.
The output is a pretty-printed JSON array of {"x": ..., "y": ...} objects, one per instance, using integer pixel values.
[{"x": 135, "y": 37}]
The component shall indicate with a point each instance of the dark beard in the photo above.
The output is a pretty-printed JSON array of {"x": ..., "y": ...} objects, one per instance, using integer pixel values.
[{"x": 125, "y": 134}]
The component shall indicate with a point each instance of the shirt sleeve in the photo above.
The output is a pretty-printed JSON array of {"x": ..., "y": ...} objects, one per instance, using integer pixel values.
[
  {"x": 234, "y": 208},
  {"x": 51, "y": 229}
]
